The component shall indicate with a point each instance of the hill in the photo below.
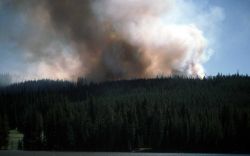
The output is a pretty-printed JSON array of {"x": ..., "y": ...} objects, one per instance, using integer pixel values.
[{"x": 163, "y": 114}]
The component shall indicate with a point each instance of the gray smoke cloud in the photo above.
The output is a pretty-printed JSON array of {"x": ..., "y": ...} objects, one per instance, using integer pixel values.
[{"x": 109, "y": 39}]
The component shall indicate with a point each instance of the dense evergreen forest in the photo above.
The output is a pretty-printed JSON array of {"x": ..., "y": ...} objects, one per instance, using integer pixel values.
[{"x": 163, "y": 114}]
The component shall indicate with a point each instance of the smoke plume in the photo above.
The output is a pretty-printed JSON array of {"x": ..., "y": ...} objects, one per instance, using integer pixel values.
[{"x": 109, "y": 39}]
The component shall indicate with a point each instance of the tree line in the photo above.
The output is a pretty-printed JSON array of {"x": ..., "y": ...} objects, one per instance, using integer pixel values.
[{"x": 162, "y": 114}]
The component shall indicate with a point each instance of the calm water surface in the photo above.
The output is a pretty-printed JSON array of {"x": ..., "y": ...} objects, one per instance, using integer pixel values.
[{"x": 31, "y": 153}]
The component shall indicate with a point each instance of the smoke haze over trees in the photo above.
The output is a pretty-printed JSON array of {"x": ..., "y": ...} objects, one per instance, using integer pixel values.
[
  {"x": 120, "y": 47},
  {"x": 164, "y": 114},
  {"x": 5, "y": 79}
]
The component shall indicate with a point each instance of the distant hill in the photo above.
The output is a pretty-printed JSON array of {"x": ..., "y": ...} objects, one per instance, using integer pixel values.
[{"x": 163, "y": 114}]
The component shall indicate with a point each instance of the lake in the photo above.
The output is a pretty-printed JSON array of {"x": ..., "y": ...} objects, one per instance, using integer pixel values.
[{"x": 31, "y": 153}]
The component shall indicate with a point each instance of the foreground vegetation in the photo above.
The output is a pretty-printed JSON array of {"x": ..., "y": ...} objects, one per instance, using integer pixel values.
[{"x": 163, "y": 114}]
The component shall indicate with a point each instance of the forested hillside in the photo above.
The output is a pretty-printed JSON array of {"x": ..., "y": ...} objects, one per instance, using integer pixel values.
[{"x": 163, "y": 114}]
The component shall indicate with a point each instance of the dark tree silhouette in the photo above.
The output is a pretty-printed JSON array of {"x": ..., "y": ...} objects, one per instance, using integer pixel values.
[{"x": 163, "y": 114}]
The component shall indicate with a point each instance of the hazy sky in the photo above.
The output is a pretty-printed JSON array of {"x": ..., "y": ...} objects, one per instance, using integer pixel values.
[
  {"x": 232, "y": 51},
  {"x": 228, "y": 42}
]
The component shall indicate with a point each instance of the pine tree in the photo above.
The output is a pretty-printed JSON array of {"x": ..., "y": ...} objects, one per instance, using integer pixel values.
[{"x": 4, "y": 131}]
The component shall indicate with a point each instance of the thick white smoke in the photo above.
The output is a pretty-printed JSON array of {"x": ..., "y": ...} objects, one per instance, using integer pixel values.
[{"x": 172, "y": 48}]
